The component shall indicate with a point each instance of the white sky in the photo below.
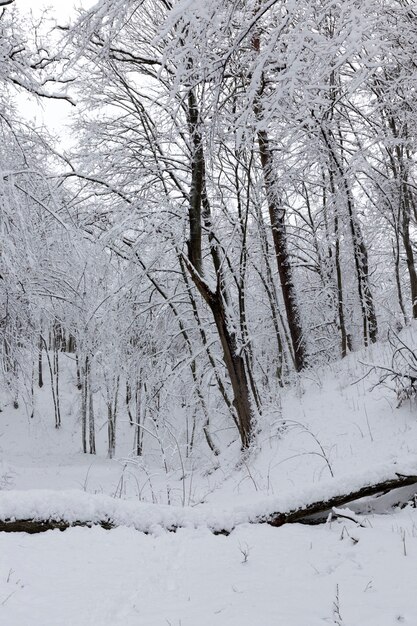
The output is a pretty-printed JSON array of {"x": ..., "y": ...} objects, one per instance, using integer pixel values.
[{"x": 62, "y": 8}]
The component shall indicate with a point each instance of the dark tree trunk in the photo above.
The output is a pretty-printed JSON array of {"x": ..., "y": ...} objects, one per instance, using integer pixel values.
[
  {"x": 138, "y": 413},
  {"x": 112, "y": 403},
  {"x": 235, "y": 365},
  {"x": 87, "y": 409},
  {"x": 58, "y": 405},
  {"x": 279, "y": 235},
  {"x": 409, "y": 254},
  {"x": 84, "y": 404},
  {"x": 91, "y": 422},
  {"x": 338, "y": 271},
  {"x": 397, "y": 259},
  {"x": 217, "y": 300},
  {"x": 40, "y": 363}
]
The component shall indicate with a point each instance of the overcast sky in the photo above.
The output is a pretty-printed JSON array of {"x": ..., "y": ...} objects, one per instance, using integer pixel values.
[{"x": 62, "y": 8}]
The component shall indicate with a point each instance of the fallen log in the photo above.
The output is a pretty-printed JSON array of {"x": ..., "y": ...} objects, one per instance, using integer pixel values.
[
  {"x": 324, "y": 507},
  {"x": 34, "y": 526},
  {"x": 313, "y": 513}
]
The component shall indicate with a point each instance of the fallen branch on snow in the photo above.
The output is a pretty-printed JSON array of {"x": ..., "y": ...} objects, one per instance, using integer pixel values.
[
  {"x": 34, "y": 526},
  {"x": 62, "y": 510},
  {"x": 323, "y": 507}
]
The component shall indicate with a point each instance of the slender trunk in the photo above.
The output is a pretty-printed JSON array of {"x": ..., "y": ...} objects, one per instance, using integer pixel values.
[
  {"x": 110, "y": 431},
  {"x": 84, "y": 404},
  {"x": 56, "y": 369},
  {"x": 112, "y": 402},
  {"x": 190, "y": 437},
  {"x": 338, "y": 270},
  {"x": 32, "y": 391},
  {"x": 339, "y": 283},
  {"x": 40, "y": 363},
  {"x": 139, "y": 430},
  {"x": 270, "y": 289},
  {"x": 360, "y": 252},
  {"x": 397, "y": 259},
  {"x": 140, "y": 392},
  {"x": 77, "y": 364},
  {"x": 91, "y": 421},
  {"x": 128, "y": 397},
  {"x": 53, "y": 384}
]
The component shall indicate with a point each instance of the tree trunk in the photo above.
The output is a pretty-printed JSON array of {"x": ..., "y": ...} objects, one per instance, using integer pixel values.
[
  {"x": 360, "y": 252},
  {"x": 216, "y": 300},
  {"x": 405, "y": 231},
  {"x": 338, "y": 270},
  {"x": 84, "y": 402},
  {"x": 279, "y": 236},
  {"x": 40, "y": 363},
  {"x": 91, "y": 422}
]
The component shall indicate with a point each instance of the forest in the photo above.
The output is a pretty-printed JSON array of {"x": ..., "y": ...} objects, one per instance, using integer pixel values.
[{"x": 208, "y": 277}]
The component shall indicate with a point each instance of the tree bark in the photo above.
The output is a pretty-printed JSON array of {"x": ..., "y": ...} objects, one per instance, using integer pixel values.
[
  {"x": 217, "y": 300},
  {"x": 279, "y": 236},
  {"x": 409, "y": 254}
]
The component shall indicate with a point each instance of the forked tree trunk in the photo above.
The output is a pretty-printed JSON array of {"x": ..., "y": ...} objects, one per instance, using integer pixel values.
[
  {"x": 190, "y": 349},
  {"x": 216, "y": 300},
  {"x": 235, "y": 365}
]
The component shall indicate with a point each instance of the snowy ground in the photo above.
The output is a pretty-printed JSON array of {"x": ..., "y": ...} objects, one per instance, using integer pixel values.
[
  {"x": 292, "y": 576},
  {"x": 327, "y": 432}
]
